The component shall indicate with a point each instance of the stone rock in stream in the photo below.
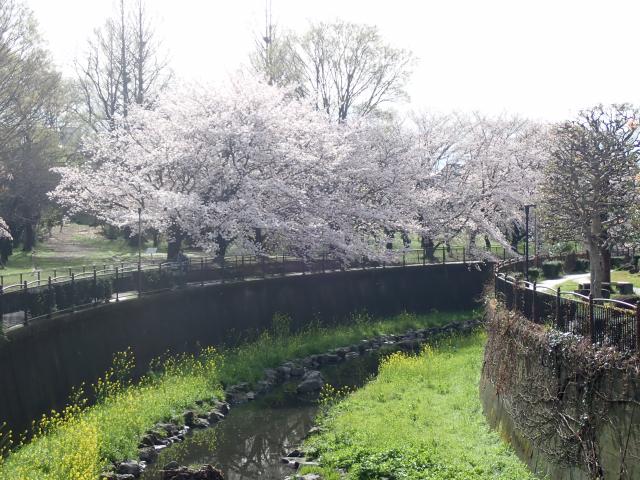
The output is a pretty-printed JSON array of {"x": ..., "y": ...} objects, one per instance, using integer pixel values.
[
  {"x": 312, "y": 381},
  {"x": 329, "y": 359},
  {"x": 295, "y": 454},
  {"x": 116, "y": 476},
  {"x": 206, "y": 472},
  {"x": 215, "y": 416},
  {"x": 129, "y": 468},
  {"x": 148, "y": 454}
]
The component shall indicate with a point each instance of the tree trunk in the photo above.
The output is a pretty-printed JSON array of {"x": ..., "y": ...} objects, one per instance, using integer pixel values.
[
  {"x": 223, "y": 244},
  {"x": 260, "y": 237},
  {"x": 406, "y": 239},
  {"x": 606, "y": 264},
  {"x": 428, "y": 247},
  {"x": 174, "y": 243},
  {"x": 29, "y": 238},
  {"x": 595, "y": 256}
]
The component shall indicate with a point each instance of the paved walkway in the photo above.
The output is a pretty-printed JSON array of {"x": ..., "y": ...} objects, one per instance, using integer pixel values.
[{"x": 576, "y": 277}]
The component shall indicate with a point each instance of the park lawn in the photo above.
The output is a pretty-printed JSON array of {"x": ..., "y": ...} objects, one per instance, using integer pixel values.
[
  {"x": 88, "y": 251},
  {"x": 616, "y": 276},
  {"x": 420, "y": 418},
  {"x": 624, "y": 276},
  {"x": 568, "y": 286},
  {"x": 76, "y": 446}
]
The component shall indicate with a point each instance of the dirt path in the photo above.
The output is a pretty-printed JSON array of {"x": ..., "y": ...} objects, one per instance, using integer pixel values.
[{"x": 73, "y": 241}]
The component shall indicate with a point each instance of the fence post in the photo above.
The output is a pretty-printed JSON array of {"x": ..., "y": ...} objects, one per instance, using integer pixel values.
[
  {"x": 139, "y": 280},
  {"x": 464, "y": 256},
  {"x": 95, "y": 286},
  {"x": 444, "y": 255},
  {"x": 637, "y": 325},
  {"x": 38, "y": 273},
  {"x": 49, "y": 298},
  {"x": 424, "y": 257},
  {"x": 25, "y": 303},
  {"x": 592, "y": 330},
  {"x": 284, "y": 272},
  {"x": 115, "y": 286},
  {"x": 558, "y": 326},
  {"x": 404, "y": 259},
  {"x": 533, "y": 303},
  {"x": 73, "y": 292}
]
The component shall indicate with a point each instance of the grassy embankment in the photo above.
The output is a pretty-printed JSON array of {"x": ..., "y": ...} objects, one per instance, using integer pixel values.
[
  {"x": 420, "y": 418},
  {"x": 77, "y": 444}
]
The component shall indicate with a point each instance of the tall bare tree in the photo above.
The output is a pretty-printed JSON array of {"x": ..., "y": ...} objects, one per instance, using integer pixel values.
[
  {"x": 342, "y": 67},
  {"x": 123, "y": 64},
  {"x": 590, "y": 188}
]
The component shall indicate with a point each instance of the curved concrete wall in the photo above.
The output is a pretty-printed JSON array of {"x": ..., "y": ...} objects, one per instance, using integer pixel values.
[{"x": 41, "y": 363}]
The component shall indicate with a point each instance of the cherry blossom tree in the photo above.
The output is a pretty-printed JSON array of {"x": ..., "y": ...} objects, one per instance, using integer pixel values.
[{"x": 217, "y": 164}]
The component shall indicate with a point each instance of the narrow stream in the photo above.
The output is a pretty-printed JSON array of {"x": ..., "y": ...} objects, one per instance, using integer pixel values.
[{"x": 250, "y": 441}]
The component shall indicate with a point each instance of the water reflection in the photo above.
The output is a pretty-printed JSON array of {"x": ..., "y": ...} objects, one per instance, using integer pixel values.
[{"x": 249, "y": 443}]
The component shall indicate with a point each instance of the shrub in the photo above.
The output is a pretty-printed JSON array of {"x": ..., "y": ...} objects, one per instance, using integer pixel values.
[
  {"x": 582, "y": 265},
  {"x": 534, "y": 274},
  {"x": 552, "y": 268},
  {"x": 570, "y": 262},
  {"x": 617, "y": 262}
]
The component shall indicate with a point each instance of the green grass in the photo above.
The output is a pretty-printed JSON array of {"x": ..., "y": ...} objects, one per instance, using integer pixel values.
[
  {"x": 77, "y": 444},
  {"x": 616, "y": 276},
  {"x": 568, "y": 286},
  {"x": 420, "y": 418},
  {"x": 624, "y": 276}
]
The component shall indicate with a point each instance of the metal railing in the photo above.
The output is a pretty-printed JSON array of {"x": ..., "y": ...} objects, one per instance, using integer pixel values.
[
  {"x": 604, "y": 321},
  {"x": 41, "y": 298}
]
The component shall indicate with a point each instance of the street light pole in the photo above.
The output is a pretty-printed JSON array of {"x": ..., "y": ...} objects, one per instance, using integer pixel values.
[
  {"x": 139, "y": 236},
  {"x": 139, "y": 251},
  {"x": 526, "y": 243}
]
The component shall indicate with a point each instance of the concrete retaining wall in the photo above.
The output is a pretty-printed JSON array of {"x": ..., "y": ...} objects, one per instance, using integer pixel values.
[{"x": 40, "y": 364}]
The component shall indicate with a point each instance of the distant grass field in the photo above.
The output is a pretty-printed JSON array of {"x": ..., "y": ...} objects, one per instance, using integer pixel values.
[
  {"x": 419, "y": 419},
  {"x": 72, "y": 248}
]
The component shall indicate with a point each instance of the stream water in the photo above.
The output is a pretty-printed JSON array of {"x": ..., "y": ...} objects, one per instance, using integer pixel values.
[{"x": 250, "y": 441}]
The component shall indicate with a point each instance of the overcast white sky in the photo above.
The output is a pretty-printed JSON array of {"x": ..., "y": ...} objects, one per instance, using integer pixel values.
[{"x": 544, "y": 59}]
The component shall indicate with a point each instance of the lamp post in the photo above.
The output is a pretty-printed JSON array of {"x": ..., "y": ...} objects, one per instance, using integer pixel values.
[
  {"x": 139, "y": 251},
  {"x": 526, "y": 243}
]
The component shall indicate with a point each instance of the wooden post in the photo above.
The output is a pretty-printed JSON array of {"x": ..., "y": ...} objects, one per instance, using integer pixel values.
[{"x": 464, "y": 257}]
